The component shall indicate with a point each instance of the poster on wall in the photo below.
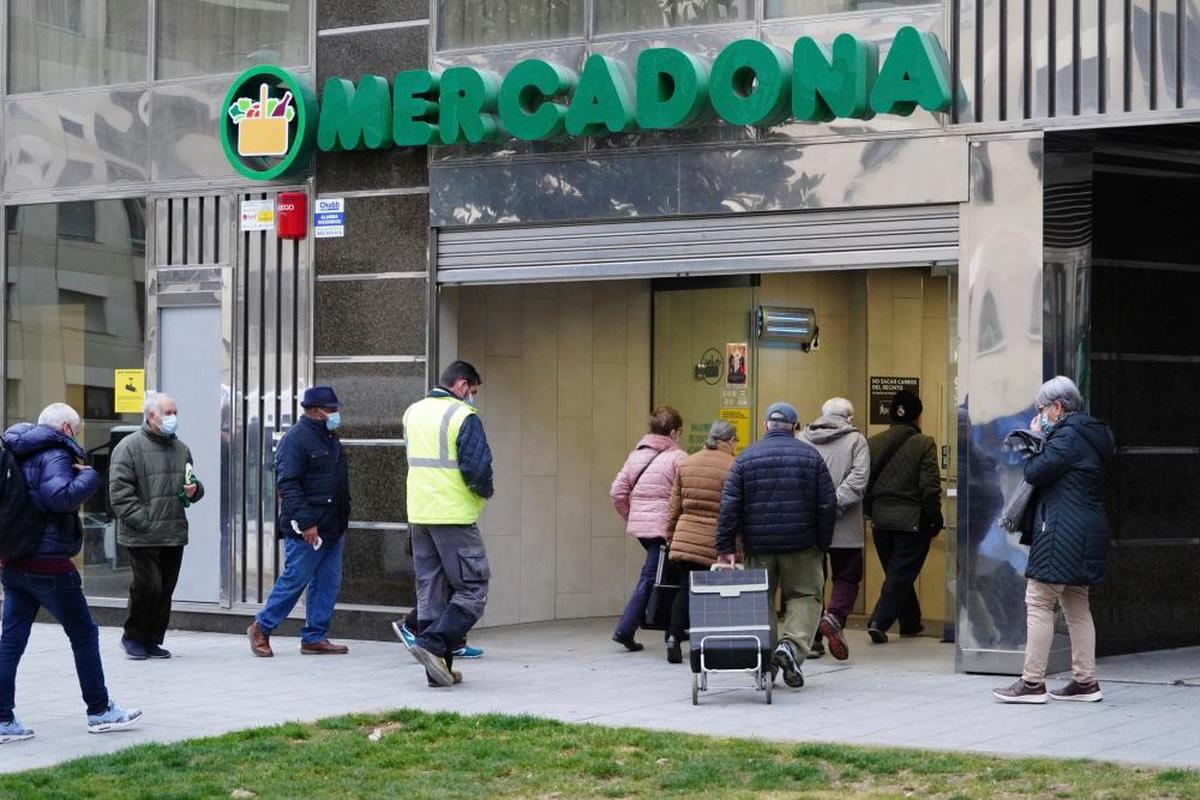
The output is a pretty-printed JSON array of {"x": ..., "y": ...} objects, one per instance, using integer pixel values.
[
  {"x": 737, "y": 364},
  {"x": 129, "y": 390},
  {"x": 739, "y": 418},
  {"x": 883, "y": 389}
]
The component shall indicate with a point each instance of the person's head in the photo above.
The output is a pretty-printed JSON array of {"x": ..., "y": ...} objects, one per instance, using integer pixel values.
[
  {"x": 320, "y": 403},
  {"x": 161, "y": 412},
  {"x": 1057, "y": 398},
  {"x": 62, "y": 418},
  {"x": 838, "y": 407},
  {"x": 781, "y": 417},
  {"x": 666, "y": 421},
  {"x": 720, "y": 432},
  {"x": 906, "y": 408},
  {"x": 461, "y": 380}
]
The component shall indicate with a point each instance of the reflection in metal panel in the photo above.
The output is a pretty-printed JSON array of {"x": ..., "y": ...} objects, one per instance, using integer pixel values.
[{"x": 700, "y": 245}]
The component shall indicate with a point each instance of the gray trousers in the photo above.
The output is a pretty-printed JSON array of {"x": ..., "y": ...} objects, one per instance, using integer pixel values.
[{"x": 452, "y": 583}]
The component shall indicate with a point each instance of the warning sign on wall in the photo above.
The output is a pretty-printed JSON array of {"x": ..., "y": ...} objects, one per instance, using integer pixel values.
[
  {"x": 883, "y": 389},
  {"x": 129, "y": 386},
  {"x": 739, "y": 418}
]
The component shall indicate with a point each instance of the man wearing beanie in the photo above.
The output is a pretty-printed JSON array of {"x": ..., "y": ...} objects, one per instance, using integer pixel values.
[
  {"x": 780, "y": 500},
  {"x": 905, "y": 506}
]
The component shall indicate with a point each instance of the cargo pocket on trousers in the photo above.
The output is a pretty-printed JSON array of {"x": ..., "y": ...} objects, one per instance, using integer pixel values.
[{"x": 472, "y": 562}]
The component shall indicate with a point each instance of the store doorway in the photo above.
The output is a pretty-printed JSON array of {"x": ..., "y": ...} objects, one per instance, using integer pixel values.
[{"x": 847, "y": 333}]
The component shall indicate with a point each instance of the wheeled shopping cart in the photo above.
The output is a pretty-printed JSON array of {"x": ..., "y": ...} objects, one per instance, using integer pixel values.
[{"x": 732, "y": 629}]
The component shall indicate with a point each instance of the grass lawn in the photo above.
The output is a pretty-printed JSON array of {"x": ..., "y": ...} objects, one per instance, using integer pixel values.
[{"x": 410, "y": 754}]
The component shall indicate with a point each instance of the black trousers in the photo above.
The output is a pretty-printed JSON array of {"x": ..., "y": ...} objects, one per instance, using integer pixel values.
[
  {"x": 155, "y": 573},
  {"x": 680, "y": 618},
  {"x": 902, "y": 554}
]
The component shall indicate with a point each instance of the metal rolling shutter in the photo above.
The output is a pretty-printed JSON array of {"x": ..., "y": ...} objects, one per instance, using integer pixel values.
[{"x": 637, "y": 248}]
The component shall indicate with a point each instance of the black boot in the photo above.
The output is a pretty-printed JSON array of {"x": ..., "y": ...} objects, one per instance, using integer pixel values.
[{"x": 674, "y": 654}]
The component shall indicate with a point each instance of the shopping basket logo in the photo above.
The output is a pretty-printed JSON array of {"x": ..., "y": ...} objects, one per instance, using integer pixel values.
[{"x": 269, "y": 123}]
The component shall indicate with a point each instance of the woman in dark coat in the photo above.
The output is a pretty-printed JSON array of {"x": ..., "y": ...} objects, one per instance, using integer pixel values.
[{"x": 1070, "y": 541}]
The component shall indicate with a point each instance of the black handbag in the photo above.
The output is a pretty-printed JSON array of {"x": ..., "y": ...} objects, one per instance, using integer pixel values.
[{"x": 662, "y": 594}]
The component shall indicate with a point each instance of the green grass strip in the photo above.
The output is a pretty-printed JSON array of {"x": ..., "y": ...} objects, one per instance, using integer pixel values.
[{"x": 412, "y": 754}]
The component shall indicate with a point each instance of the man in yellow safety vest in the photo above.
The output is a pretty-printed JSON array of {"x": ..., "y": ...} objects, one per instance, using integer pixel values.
[{"x": 449, "y": 480}]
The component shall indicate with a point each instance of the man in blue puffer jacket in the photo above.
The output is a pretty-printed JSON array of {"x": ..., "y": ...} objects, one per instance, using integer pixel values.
[
  {"x": 780, "y": 500},
  {"x": 59, "y": 482}
]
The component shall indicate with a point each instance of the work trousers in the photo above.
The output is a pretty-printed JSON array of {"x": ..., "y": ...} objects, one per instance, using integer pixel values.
[
  {"x": 452, "y": 584},
  {"x": 155, "y": 573}
]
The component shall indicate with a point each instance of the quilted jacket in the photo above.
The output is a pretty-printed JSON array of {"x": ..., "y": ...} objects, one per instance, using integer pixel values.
[
  {"x": 908, "y": 485},
  {"x": 1070, "y": 536},
  {"x": 696, "y": 503},
  {"x": 642, "y": 489},
  {"x": 145, "y": 476},
  {"x": 778, "y": 497}
]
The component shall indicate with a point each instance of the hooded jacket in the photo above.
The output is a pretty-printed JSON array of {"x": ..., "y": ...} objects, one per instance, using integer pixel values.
[
  {"x": 848, "y": 458},
  {"x": 642, "y": 489},
  {"x": 778, "y": 498},
  {"x": 57, "y": 488},
  {"x": 1070, "y": 536},
  {"x": 145, "y": 477},
  {"x": 696, "y": 503}
]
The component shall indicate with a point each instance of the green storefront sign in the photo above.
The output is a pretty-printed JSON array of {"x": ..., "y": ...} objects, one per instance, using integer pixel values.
[{"x": 750, "y": 82}]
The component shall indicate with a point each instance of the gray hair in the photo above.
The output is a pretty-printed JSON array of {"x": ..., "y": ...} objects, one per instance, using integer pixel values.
[
  {"x": 779, "y": 425},
  {"x": 1063, "y": 390},
  {"x": 837, "y": 407},
  {"x": 154, "y": 403},
  {"x": 721, "y": 431},
  {"x": 56, "y": 414}
]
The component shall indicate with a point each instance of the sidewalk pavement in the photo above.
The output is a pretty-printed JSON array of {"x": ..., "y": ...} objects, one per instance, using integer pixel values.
[{"x": 904, "y": 694}]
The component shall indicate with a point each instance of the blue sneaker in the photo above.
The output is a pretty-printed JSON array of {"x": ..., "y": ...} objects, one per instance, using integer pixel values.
[
  {"x": 135, "y": 650},
  {"x": 407, "y": 637},
  {"x": 14, "y": 731},
  {"x": 466, "y": 651},
  {"x": 113, "y": 719}
]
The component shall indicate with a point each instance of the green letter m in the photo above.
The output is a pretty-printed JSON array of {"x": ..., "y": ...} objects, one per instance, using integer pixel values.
[{"x": 355, "y": 118}]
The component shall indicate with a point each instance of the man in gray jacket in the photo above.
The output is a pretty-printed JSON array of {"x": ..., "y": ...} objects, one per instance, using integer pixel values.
[
  {"x": 150, "y": 483},
  {"x": 849, "y": 461}
]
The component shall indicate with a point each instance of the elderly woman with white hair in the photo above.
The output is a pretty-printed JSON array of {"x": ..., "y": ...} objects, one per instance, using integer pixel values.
[
  {"x": 1069, "y": 543},
  {"x": 848, "y": 459}
]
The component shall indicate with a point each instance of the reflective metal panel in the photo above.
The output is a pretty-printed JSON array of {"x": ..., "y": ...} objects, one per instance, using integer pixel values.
[
  {"x": 184, "y": 139},
  {"x": 1000, "y": 369},
  {"x": 880, "y": 172},
  {"x": 67, "y": 140}
]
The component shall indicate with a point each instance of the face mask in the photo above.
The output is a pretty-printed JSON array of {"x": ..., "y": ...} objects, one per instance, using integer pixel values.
[
  {"x": 332, "y": 421},
  {"x": 1044, "y": 422},
  {"x": 169, "y": 424},
  {"x": 469, "y": 399}
]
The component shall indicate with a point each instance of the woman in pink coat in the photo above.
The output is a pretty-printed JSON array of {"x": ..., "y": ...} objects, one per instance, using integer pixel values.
[{"x": 641, "y": 493}]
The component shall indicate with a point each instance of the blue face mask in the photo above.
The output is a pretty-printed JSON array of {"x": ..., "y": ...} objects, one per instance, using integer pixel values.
[
  {"x": 333, "y": 420},
  {"x": 169, "y": 424}
]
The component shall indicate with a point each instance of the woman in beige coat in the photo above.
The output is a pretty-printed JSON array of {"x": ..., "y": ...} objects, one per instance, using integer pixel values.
[{"x": 692, "y": 520}]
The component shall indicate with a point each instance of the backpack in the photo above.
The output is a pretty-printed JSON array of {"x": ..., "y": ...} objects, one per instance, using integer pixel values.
[{"x": 22, "y": 524}]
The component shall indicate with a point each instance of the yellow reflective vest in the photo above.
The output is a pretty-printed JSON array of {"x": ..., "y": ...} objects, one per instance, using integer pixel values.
[{"x": 437, "y": 493}]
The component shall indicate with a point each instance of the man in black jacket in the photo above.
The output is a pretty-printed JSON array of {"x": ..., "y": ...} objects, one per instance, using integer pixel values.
[{"x": 780, "y": 500}]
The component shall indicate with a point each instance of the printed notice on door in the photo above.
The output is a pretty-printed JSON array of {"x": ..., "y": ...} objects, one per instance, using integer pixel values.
[
  {"x": 883, "y": 389},
  {"x": 129, "y": 387},
  {"x": 258, "y": 215}
]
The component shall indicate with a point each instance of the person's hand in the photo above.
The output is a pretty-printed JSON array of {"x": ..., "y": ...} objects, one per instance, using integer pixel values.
[
  {"x": 80, "y": 467},
  {"x": 726, "y": 560},
  {"x": 1035, "y": 424},
  {"x": 310, "y": 535},
  {"x": 190, "y": 490}
]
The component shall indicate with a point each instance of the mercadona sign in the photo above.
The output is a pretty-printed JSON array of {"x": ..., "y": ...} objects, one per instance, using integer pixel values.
[{"x": 270, "y": 116}]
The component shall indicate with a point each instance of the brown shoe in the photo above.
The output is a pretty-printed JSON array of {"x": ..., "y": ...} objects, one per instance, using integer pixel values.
[
  {"x": 435, "y": 685},
  {"x": 1022, "y": 692},
  {"x": 323, "y": 648},
  {"x": 260, "y": 643},
  {"x": 1079, "y": 692}
]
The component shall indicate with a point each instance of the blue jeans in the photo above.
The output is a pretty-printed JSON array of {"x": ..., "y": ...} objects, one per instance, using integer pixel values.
[
  {"x": 62, "y": 596},
  {"x": 318, "y": 571},
  {"x": 635, "y": 609}
]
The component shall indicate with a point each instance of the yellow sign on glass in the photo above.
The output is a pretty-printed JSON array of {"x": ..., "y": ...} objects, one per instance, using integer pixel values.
[
  {"x": 739, "y": 418},
  {"x": 129, "y": 386}
]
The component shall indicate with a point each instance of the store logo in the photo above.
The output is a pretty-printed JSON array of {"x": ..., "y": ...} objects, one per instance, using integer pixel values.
[{"x": 268, "y": 126}]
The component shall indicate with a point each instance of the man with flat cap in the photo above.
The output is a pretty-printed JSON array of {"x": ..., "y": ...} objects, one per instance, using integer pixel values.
[
  {"x": 780, "y": 500},
  {"x": 314, "y": 510}
]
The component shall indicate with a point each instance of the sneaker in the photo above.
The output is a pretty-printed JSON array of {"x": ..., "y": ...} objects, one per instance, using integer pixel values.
[
  {"x": 134, "y": 650},
  {"x": 406, "y": 637},
  {"x": 817, "y": 650},
  {"x": 14, "y": 731},
  {"x": 113, "y": 719},
  {"x": 877, "y": 636},
  {"x": 831, "y": 631},
  {"x": 435, "y": 685},
  {"x": 435, "y": 665},
  {"x": 1079, "y": 692},
  {"x": 785, "y": 660},
  {"x": 466, "y": 651},
  {"x": 1022, "y": 692},
  {"x": 157, "y": 651},
  {"x": 628, "y": 643}
]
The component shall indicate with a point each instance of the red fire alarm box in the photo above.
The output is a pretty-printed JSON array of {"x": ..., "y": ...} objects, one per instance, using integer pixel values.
[{"x": 291, "y": 215}]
